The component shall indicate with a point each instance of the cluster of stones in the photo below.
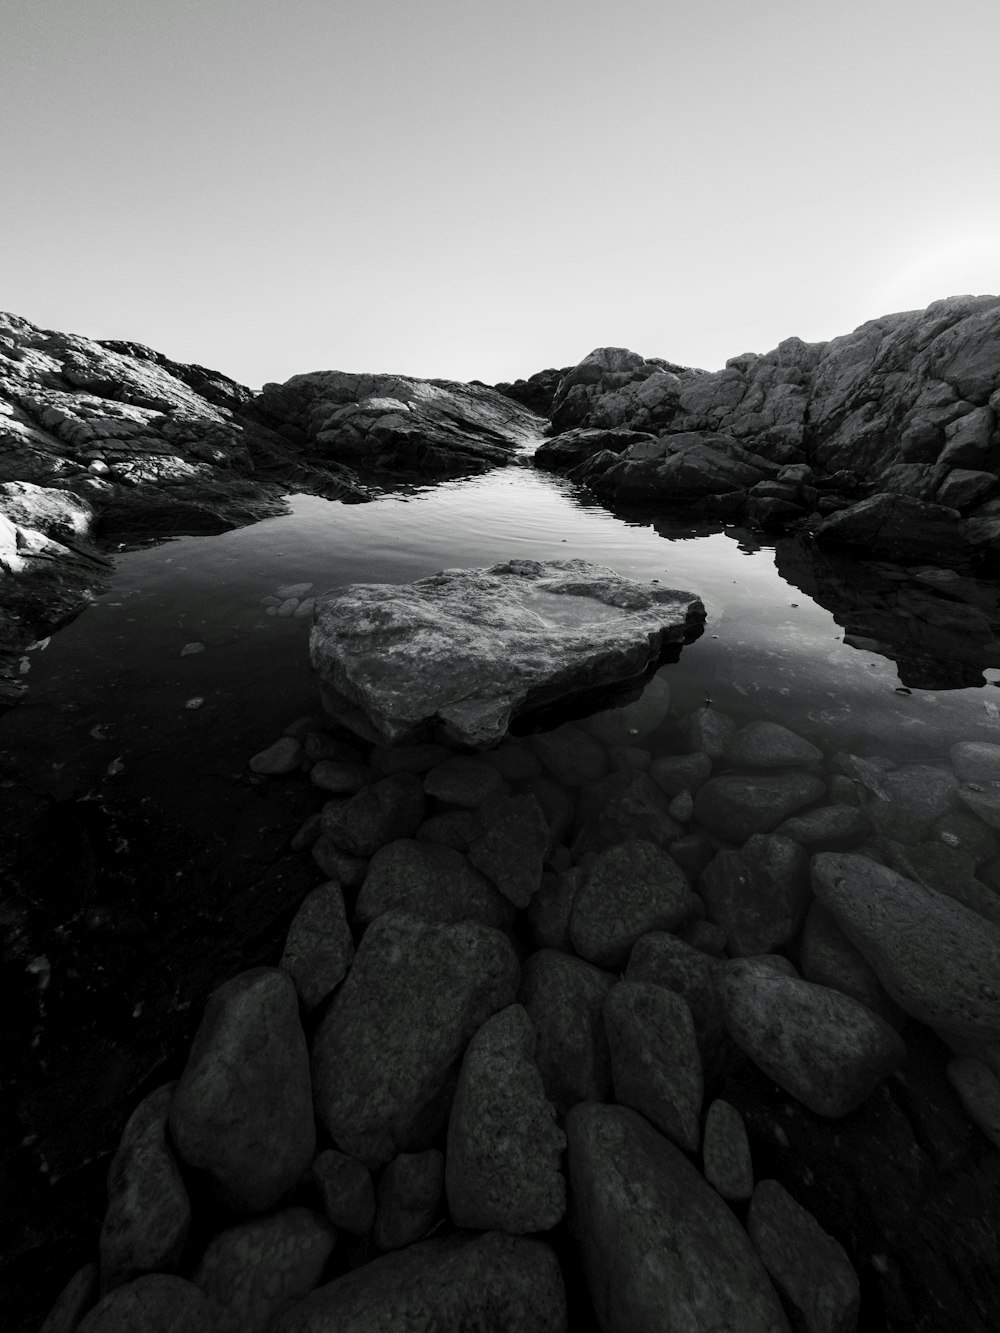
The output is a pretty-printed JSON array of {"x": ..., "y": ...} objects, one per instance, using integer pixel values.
[
  {"x": 290, "y": 600},
  {"x": 485, "y": 1062},
  {"x": 885, "y": 439}
]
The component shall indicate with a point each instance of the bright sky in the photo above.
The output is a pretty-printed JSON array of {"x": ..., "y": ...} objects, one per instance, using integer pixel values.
[{"x": 482, "y": 188}]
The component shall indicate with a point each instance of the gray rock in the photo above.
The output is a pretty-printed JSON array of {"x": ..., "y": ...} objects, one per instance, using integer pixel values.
[
  {"x": 659, "y": 1248},
  {"x": 432, "y": 882},
  {"x": 632, "y": 721},
  {"x": 759, "y": 894},
  {"x": 78, "y": 1295},
  {"x": 770, "y": 745},
  {"x": 318, "y": 947},
  {"x": 623, "y": 806},
  {"x": 978, "y": 1088},
  {"x": 704, "y": 935},
  {"x": 386, "y": 1053},
  {"x": 938, "y": 960},
  {"x": 504, "y": 1148},
  {"x": 254, "y": 1272},
  {"x": 462, "y": 780},
  {"x": 512, "y": 846},
  {"x": 573, "y": 756},
  {"x": 655, "y": 1063},
  {"x": 629, "y": 890},
  {"x": 809, "y": 1268},
  {"x": 913, "y": 796},
  {"x": 340, "y": 867},
  {"x": 893, "y": 527},
  {"x": 308, "y": 832},
  {"x": 726, "y": 1152},
  {"x": 710, "y": 730},
  {"x": 550, "y": 910},
  {"x": 823, "y": 1047},
  {"x": 389, "y": 809},
  {"x": 242, "y": 1111},
  {"x": 828, "y": 958},
  {"x": 827, "y": 828},
  {"x": 479, "y": 1283},
  {"x": 339, "y": 776},
  {"x": 664, "y": 960},
  {"x": 946, "y": 869},
  {"x": 346, "y": 1189},
  {"x": 681, "y": 808},
  {"x": 735, "y": 806},
  {"x": 148, "y": 1213},
  {"x": 513, "y": 759},
  {"x": 408, "y": 758},
  {"x": 564, "y": 998},
  {"x": 466, "y": 650},
  {"x": 154, "y": 1303},
  {"x": 410, "y": 1198},
  {"x": 976, "y": 761},
  {"x": 677, "y": 773},
  {"x": 557, "y": 805},
  {"x": 284, "y": 756},
  {"x": 451, "y": 828},
  {"x": 983, "y": 799}
]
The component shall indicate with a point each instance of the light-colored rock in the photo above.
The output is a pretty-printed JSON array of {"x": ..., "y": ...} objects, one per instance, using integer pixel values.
[{"x": 466, "y": 650}]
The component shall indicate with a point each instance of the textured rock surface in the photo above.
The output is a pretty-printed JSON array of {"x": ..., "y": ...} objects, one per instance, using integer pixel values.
[
  {"x": 318, "y": 948},
  {"x": 242, "y": 1112},
  {"x": 564, "y": 997},
  {"x": 759, "y": 894},
  {"x": 386, "y": 1054},
  {"x": 429, "y": 881},
  {"x": 466, "y": 650},
  {"x": 156, "y": 1304},
  {"x": 660, "y": 1248},
  {"x": 410, "y": 1196},
  {"x": 737, "y": 805},
  {"x": 479, "y": 1283},
  {"x": 726, "y": 1152}
]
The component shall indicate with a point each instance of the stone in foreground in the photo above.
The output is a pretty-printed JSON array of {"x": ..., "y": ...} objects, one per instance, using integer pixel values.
[{"x": 464, "y": 651}]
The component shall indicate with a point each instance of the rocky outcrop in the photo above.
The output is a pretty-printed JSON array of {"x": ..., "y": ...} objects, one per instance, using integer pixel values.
[
  {"x": 898, "y": 414},
  {"x": 466, "y": 650}
]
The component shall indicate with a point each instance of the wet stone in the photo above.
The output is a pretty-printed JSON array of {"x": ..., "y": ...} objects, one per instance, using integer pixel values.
[
  {"x": 632, "y": 721},
  {"x": 148, "y": 1213},
  {"x": 557, "y": 805},
  {"x": 677, "y": 773},
  {"x": 759, "y": 894},
  {"x": 550, "y": 909},
  {"x": 681, "y": 808},
  {"x": 463, "y": 781},
  {"x": 692, "y": 852},
  {"x": 976, "y": 761},
  {"x": 706, "y": 936},
  {"x": 735, "y": 806},
  {"x": 915, "y": 795},
  {"x": 155, "y": 1303},
  {"x": 564, "y": 998},
  {"x": 429, "y": 881},
  {"x": 339, "y": 866},
  {"x": 451, "y": 828},
  {"x": 664, "y": 960},
  {"x": 408, "y": 758},
  {"x": 623, "y": 806},
  {"x": 945, "y": 869},
  {"x": 983, "y": 799},
  {"x": 726, "y": 1152},
  {"x": 769, "y": 745},
  {"x": 389, "y": 809},
  {"x": 810, "y": 1269},
  {"x": 655, "y": 1062},
  {"x": 307, "y": 834},
  {"x": 318, "y": 947},
  {"x": 320, "y": 746},
  {"x": 255, "y": 1271},
  {"x": 513, "y": 759},
  {"x": 512, "y": 846},
  {"x": 242, "y": 1111},
  {"x": 341, "y": 777},
  {"x": 410, "y": 1198},
  {"x": 346, "y": 1190},
  {"x": 828, "y": 958},
  {"x": 284, "y": 756},
  {"x": 502, "y": 1166},
  {"x": 631, "y": 889},
  {"x": 78, "y": 1295},
  {"x": 819, "y": 1045},
  {"x": 978, "y": 1088},
  {"x": 571, "y": 755},
  {"x": 628, "y": 758},
  {"x": 827, "y": 828},
  {"x": 966, "y": 833},
  {"x": 710, "y": 730},
  {"x": 387, "y": 1051}
]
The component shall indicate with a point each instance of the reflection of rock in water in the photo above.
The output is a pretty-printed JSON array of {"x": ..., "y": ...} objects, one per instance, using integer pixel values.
[{"x": 940, "y": 628}]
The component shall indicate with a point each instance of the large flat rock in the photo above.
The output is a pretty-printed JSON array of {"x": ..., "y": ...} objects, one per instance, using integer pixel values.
[{"x": 464, "y": 651}]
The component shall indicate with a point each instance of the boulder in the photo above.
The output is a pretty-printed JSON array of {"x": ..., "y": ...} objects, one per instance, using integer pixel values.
[
  {"x": 242, "y": 1111},
  {"x": 759, "y": 894},
  {"x": 387, "y": 1052},
  {"x": 735, "y": 806},
  {"x": 502, "y": 1168},
  {"x": 410, "y": 1197},
  {"x": 429, "y": 881},
  {"x": 726, "y": 1152},
  {"x": 818, "y": 1044},
  {"x": 572, "y": 755},
  {"x": 890, "y": 526},
  {"x": 511, "y": 848},
  {"x": 391, "y": 808},
  {"x": 346, "y": 1190},
  {"x": 564, "y": 998},
  {"x": 659, "y": 1248},
  {"x": 770, "y": 745},
  {"x": 318, "y": 947},
  {"x": 464, "y": 651},
  {"x": 665, "y": 960}
]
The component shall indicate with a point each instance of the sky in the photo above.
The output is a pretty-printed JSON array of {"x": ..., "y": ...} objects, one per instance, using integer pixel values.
[{"x": 467, "y": 189}]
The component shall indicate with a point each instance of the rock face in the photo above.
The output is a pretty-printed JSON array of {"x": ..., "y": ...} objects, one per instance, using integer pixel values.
[{"x": 466, "y": 650}]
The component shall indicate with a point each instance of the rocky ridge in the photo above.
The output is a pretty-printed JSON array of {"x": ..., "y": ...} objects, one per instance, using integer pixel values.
[{"x": 728, "y": 1053}]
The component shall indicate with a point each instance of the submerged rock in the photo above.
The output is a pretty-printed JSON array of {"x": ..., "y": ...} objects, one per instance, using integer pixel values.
[{"x": 464, "y": 651}]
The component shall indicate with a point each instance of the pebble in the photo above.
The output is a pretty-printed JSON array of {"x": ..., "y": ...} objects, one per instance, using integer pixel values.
[
  {"x": 343, "y": 778},
  {"x": 305, "y": 608},
  {"x": 194, "y": 703},
  {"x": 287, "y": 608},
  {"x": 190, "y": 648}
]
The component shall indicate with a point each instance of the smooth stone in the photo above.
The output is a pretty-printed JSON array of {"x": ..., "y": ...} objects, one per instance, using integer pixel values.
[
  {"x": 307, "y": 834},
  {"x": 827, "y": 828},
  {"x": 681, "y": 808},
  {"x": 735, "y": 806},
  {"x": 75, "y": 1299},
  {"x": 255, "y": 1271},
  {"x": 725, "y": 1151},
  {"x": 945, "y": 869},
  {"x": 571, "y": 755},
  {"x": 387, "y": 1051},
  {"x": 658, "y": 1247},
  {"x": 190, "y": 649},
  {"x": 148, "y": 1214},
  {"x": 504, "y": 1148},
  {"x": 155, "y": 1303},
  {"x": 628, "y": 757},
  {"x": 389, "y": 809},
  {"x": 770, "y": 745},
  {"x": 962, "y": 830},
  {"x": 242, "y": 1111},
  {"x": 463, "y": 781},
  {"x": 319, "y": 946},
  {"x": 557, "y": 805},
  {"x": 664, "y": 960},
  {"x": 677, "y": 773},
  {"x": 976, "y": 761},
  {"x": 828, "y": 958},
  {"x": 466, "y": 650},
  {"x": 758, "y": 894},
  {"x": 319, "y": 745},
  {"x": 710, "y": 730},
  {"x": 300, "y": 727},
  {"x": 284, "y": 756},
  {"x": 433, "y": 882},
  {"x": 511, "y": 849},
  {"x": 466, "y": 1281},
  {"x": 550, "y": 909},
  {"x": 305, "y": 608},
  {"x": 410, "y": 1198},
  {"x": 819, "y": 1045},
  {"x": 632, "y": 721},
  {"x": 295, "y": 590},
  {"x": 631, "y": 889},
  {"x": 809, "y": 1268},
  {"x": 564, "y": 998},
  {"x": 914, "y": 796},
  {"x": 655, "y": 1062},
  {"x": 339, "y": 777},
  {"x": 452, "y": 828},
  {"x": 346, "y": 1189},
  {"x": 288, "y": 608},
  {"x": 340, "y": 867},
  {"x": 620, "y": 807},
  {"x": 513, "y": 759},
  {"x": 978, "y": 1088},
  {"x": 938, "y": 960},
  {"x": 983, "y": 799},
  {"x": 704, "y": 935}
]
